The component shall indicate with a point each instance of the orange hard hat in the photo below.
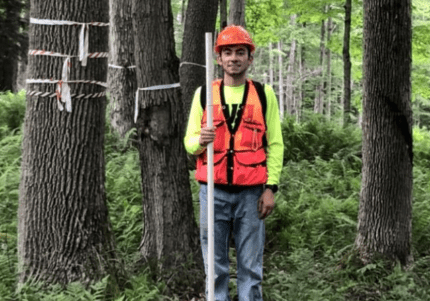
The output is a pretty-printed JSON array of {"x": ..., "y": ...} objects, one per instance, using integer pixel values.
[{"x": 234, "y": 35}]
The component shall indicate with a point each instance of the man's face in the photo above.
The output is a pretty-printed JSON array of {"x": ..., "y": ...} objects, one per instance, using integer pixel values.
[{"x": 234, "y": 60}]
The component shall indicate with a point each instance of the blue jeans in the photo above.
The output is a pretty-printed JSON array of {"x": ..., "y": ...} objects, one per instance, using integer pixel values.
[{"x": 239, "y": 208}]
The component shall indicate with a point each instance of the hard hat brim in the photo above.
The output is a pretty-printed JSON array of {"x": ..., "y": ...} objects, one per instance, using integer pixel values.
[{"x": 218, "y": 48}]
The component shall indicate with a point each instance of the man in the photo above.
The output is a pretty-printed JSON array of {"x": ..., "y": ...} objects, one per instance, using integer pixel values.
[{"x": 248, "y": 154}]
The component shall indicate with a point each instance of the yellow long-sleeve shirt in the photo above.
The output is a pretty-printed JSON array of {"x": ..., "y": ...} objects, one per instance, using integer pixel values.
[{"x": 234, "y": 96}]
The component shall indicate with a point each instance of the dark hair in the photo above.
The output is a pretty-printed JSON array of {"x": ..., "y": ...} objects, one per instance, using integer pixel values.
[{"x": 247, "y": 47}]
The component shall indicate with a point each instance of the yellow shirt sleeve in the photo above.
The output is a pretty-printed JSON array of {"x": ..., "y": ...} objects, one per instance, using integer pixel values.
[
  {"x": 192, "y": 134},
  {"x": 275, "y": 144}
]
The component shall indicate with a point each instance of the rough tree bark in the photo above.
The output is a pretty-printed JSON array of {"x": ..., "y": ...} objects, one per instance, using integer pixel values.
[
  {"x": 63, "y": 223},
  {"x": 237, "y": 12},
  {"x": 384, "y": 220},
  {"x": 9, "y": 50},
  {"x": 170, "y": 233},
  {"x": 222, "y": 13},
  {"x": 122, "y": 72},
  {"x": 193, "y": 47},
  {"x": 347, "y": 64}
]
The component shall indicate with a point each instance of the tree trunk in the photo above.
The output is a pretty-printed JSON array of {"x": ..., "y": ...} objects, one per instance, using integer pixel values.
[
  {"x": 63, "y": 223},
  {"x": 122, "y": 72},
  {"x": 223, "y": 13},
  {"x": 192, "y": 71},
  {"x": 9, "y": 50},
  {"x": 302, "y": 94},
  {"x": 329, "y": 24},
  {"x": 183, "y": 16},
  {"x": 170, "y": 233},
  {"x": 384, "y": 220},
  {"x": 270, "y": 64},
  {"x": 23, "y": 41},
  {"x": 290, "y": 73},
  {"x": 237, "y": 12},
  {"x": 281, "y": 82},
  {"x": 318, "y": 107},
  {"x": 347, "y": 64},
  {"x": 297, "y": 106}
]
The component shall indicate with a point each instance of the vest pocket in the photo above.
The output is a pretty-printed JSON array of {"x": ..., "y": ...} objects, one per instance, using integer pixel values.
[
  {"x": 220, "y": 135},
  {"x": 250, "y": 168},
  {"x": 220, "y": 168},
  {"x": 252, "y": 136}
]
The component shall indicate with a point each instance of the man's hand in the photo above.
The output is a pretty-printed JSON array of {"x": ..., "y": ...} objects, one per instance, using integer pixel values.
[
  {"x": 266, "y": 203},
  {"x": 207, "y": 135}
]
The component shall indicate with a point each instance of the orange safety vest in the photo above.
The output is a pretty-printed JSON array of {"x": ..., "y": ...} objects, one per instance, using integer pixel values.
[{"x": 239, "y": 152}]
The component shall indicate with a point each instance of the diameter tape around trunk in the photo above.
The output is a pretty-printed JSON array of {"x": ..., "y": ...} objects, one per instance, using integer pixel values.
[
  {"x": 63, "y": 91},
  {"x": 54, "y": 94},
  {"x": 152, "y": 88},
  {"x": 83, "y": 35},
  {"x": 92, "y": 55},
  {"x": 189, "y": 63},
  {"x": 121, "y": 67}
]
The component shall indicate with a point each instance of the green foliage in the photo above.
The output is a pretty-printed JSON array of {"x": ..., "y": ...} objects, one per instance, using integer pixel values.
[
  {"x": 319, "y": 186},
  {"x": 12, "y": 111},
  {"x": 143, "y": 289},
  {"x": 421, "y": 51},
  {"x": 73, "y": 291},
  {"x": 263, "y": 19},
  {"x": 319, "y": 137},
  {"x": 421, "y": 193},
  {"x": 123, "y": 193}
]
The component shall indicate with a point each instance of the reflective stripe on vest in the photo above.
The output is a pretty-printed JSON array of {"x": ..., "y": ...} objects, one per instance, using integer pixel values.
[{"x": 239, "y": 153}]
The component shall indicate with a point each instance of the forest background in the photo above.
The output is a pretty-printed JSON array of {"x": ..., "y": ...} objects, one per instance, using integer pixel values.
[{"x": 310, "y": 251}]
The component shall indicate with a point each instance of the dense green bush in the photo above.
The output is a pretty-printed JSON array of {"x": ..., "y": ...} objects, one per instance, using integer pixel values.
[
  {"x": 12, "y": 111},
  {"x": 318, "y": 137}
]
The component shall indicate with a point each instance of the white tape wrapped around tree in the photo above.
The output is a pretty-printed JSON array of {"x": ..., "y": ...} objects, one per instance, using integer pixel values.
[{"x": 83, "y": 35}]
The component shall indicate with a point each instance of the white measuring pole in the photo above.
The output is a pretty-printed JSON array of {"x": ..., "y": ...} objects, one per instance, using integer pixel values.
[{"x": 210, "y": 153}]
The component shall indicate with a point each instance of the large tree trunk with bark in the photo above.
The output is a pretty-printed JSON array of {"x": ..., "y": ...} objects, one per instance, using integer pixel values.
[
  {"x": 384, "y": 220},
  {"x": 237, "y": 12},
  {"x": 63, "y": 223},
  {"x": 122, "y": 72},
  {"x": 9, "y": 41},
  {"x": 347, "y": 64},
  {"x": 170, "y": 232},
  {"x": 192, "y": 71}
]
